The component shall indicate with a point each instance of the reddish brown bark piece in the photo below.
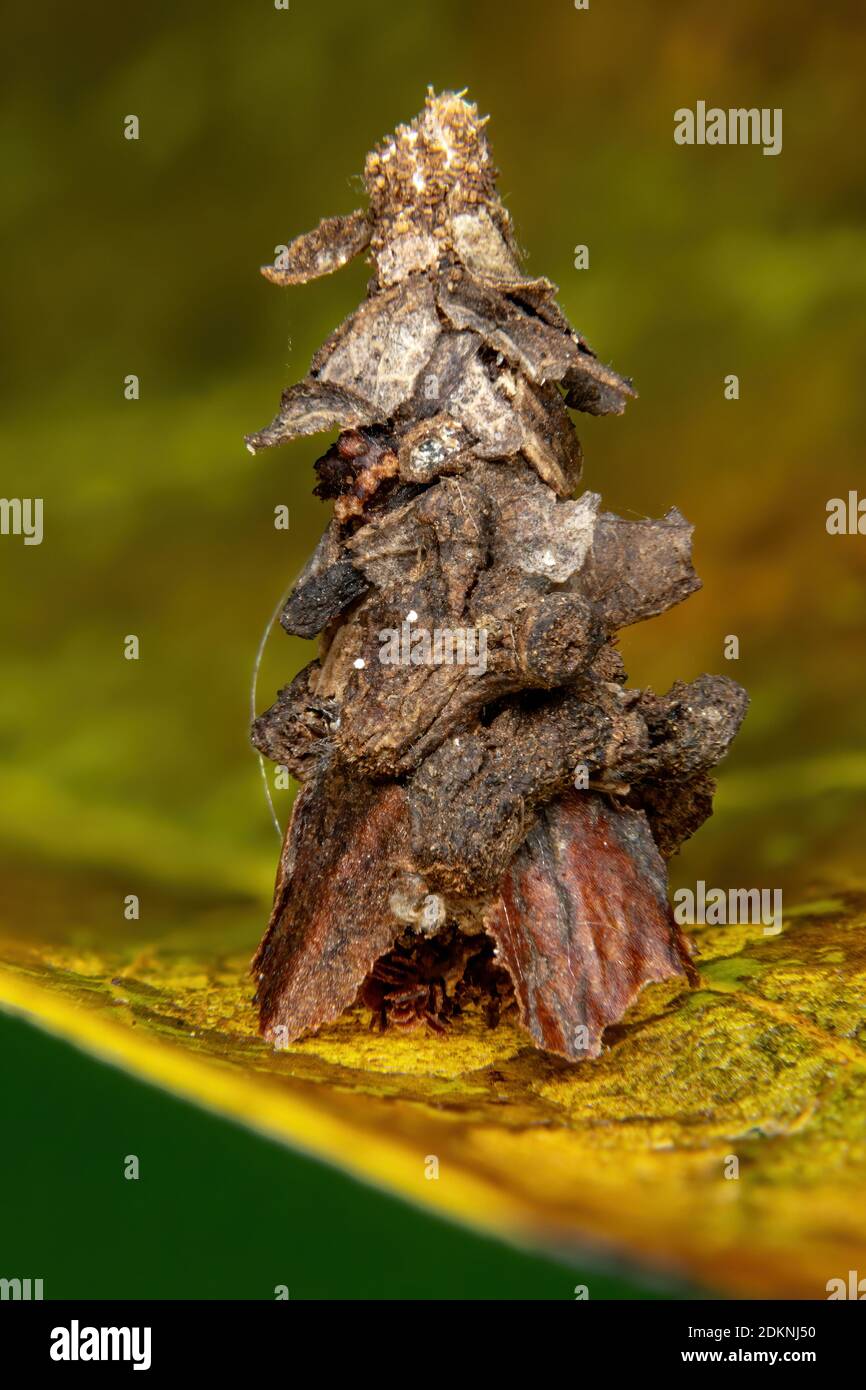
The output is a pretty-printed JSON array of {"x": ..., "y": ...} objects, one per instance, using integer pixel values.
[
  {"x": 582, "y": 922},
  {"x": 331, "y": 918}
]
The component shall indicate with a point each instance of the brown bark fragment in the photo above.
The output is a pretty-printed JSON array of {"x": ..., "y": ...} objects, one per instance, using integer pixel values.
[
  {"x": 582, "y": 922},
  {"x": 332, "y": 244},
  {"x": 675, "y": 810},
  {"x": 331, "y": 918},
  {"x": 381, "y": 350},
  {"x": 542, "y": 350},
  {"x": 473, "y": 799},
  {"x": 639, "y": 569},
  {"x": 311, "y": 407},
  {"x": 295, "y": 731}
]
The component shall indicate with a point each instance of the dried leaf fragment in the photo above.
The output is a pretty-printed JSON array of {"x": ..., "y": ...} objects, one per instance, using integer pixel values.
[
  {"x": 332, "y": 244},
  {"x": 311, "y": 407},
  {"x": 582, "y": 922}
]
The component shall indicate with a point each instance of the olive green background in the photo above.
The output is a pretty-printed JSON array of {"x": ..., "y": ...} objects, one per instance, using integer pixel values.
[{"x": 141, "y": 257}]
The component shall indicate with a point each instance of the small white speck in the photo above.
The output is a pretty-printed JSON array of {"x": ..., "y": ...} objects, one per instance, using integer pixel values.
[
  {"x": 411, "y": 616},
  {"x": 359, "y": 663}
]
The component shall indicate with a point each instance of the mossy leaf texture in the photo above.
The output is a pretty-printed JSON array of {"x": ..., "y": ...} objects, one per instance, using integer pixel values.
[{"x": 720, "y": 1136}]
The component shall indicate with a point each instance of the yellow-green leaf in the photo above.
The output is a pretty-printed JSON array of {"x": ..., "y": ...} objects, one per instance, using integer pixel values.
[{"x": 764, "y": 1064}]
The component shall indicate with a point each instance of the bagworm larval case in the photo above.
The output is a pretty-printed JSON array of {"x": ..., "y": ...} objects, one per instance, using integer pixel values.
[{"x": 486, "y": 807}]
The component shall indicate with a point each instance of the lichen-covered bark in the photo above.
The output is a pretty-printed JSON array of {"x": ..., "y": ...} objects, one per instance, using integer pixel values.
[{"x": 518, "y": 791}]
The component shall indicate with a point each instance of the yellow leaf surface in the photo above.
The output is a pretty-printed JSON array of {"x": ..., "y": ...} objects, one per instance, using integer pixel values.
[{"x": 765, "y": 1063}]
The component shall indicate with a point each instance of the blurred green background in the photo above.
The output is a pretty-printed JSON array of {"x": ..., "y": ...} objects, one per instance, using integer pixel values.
[{"x": 141, "y": 257}]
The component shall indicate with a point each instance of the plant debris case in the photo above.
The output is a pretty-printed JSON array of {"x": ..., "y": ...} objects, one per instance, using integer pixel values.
[{"x": 494, "y": 831}]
